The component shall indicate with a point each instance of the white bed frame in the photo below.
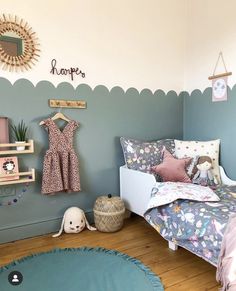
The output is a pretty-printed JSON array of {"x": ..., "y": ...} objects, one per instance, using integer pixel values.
[{"x": 136, "y": 186}]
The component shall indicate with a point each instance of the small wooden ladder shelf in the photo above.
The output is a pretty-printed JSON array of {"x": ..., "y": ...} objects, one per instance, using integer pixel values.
[
  {"x": 29, "y": 150},
  {"x": 22, "y": 179},
  {"x": 25, "y": 177}
]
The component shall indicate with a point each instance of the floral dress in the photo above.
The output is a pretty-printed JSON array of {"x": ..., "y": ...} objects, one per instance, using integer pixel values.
[{"x": 61, "y": 165}]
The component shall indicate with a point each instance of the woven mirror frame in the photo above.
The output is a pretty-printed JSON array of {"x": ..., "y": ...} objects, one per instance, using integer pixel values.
[{"x": 10, "y": 25}]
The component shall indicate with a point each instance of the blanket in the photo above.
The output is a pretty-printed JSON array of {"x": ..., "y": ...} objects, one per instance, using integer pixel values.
[{"x": 197, "y": 226}]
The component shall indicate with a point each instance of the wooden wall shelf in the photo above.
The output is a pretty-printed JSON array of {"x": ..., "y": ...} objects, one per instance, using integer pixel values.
[
  {"x": 23, "y": 176},
  {"x": 22, "y": 179},
  {"x": 29, "y": 148}
]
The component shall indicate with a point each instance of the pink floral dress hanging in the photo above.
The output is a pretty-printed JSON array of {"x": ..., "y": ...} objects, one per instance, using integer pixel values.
[{"x": 61, "y": 164}]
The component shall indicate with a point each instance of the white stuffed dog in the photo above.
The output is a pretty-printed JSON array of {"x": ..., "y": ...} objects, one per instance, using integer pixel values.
[{"x": 74, "y": 221}]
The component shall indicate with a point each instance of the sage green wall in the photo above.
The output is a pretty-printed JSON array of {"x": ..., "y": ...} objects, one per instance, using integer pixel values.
[
  {"x": 205, "y": 120},
  {"x": 109, "y": 115}
]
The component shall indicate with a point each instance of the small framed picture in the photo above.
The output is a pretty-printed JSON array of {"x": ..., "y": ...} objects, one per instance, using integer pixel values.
[
  {"x": 219, "y": 89},
  {"x": 9, "y": 166}
]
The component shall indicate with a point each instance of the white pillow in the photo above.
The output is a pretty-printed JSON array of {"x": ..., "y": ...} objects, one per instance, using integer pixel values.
[{"x": 191, "y": 149}]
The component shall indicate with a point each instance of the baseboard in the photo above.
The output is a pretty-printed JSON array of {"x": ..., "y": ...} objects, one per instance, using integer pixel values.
[{"x": 37, "y": 228}]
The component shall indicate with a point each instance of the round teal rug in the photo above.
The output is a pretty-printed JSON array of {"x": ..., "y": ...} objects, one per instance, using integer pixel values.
[{"x": 82, "y": 269}]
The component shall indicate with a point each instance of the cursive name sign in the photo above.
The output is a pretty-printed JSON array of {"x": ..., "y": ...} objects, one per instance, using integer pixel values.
[{"x": 62, "y": 71}]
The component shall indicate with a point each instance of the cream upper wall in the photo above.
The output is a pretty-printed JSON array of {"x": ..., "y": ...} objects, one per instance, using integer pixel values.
[
  {"x": 211, "y": 28},
  {"x": 116, "y": 43}
]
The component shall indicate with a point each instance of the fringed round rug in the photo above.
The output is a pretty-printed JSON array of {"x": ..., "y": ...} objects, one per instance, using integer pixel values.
[{"x": 82, "y": 269}]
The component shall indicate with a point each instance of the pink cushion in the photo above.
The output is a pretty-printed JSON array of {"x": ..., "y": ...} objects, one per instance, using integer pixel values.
[{"x": 172, "y": 169}]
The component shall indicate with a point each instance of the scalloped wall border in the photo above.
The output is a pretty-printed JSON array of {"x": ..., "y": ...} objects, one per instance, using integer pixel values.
[
  {"x": 157, "y": 91},
  {"x": 195, "y": 91}
]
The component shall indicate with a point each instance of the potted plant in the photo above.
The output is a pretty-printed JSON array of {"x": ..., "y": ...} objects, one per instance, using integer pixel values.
[{"x": 20, "y": 132}]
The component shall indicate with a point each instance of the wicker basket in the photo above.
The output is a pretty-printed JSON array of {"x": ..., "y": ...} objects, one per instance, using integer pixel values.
[{"x": 109, "y": 213}]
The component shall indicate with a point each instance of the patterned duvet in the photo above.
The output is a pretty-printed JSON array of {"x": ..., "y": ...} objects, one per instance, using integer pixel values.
[{"x": 197, "y": 226}]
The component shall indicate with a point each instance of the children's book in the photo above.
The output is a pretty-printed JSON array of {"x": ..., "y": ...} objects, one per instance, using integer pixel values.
[{"x": 9, "y": 166}]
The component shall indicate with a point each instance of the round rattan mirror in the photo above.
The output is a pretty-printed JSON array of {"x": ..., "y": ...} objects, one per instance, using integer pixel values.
[{"x": 18, "y": 44}]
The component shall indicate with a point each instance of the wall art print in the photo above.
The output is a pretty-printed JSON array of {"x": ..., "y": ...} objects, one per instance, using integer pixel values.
[
  {"x": 220, "y": 82},
  {"x": 219, "y": 89}
]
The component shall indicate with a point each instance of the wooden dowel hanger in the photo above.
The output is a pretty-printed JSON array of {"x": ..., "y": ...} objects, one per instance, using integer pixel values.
[
  {"x": 220, "y": 75},
  {"x": 214, "y": 76}
]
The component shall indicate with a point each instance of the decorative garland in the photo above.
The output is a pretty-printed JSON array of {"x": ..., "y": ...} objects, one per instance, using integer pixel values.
[{"x": 17, "y": 197}]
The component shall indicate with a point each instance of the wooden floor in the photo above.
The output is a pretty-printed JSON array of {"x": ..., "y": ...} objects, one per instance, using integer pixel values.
[{"x": 178, "y": 270}]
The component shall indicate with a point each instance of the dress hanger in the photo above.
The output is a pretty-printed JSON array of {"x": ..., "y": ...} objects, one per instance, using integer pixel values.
[{"x": 58, "y": 115}]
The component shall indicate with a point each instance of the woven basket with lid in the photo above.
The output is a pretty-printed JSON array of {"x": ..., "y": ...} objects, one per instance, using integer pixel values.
[{"x": 109, "y": 213}]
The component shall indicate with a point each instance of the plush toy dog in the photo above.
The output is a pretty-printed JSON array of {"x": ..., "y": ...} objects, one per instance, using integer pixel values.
[{"x": 74, "y": 221}]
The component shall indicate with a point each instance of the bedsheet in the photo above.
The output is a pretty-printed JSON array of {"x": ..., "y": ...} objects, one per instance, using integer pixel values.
[{"x": 197, "y": 226}]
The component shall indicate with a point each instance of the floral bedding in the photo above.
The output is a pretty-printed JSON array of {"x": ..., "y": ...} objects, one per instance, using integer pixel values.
[{"x": 195, "y": 225}]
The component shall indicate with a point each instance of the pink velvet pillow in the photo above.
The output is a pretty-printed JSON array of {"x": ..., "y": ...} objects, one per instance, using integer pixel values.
[{"x": 172, "y": 169}]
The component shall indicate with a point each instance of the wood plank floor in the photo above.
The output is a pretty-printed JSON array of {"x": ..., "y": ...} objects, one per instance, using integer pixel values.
[{"x": 178, "y": 270}]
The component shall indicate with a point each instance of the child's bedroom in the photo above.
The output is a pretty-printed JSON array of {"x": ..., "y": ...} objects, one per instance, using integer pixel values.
[{"x": 117, "y": 154}]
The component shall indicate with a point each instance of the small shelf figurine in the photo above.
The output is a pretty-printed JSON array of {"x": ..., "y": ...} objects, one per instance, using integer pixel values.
[
  {"x": 20, "y": 134},
  {"x": 74, "y": 221}
]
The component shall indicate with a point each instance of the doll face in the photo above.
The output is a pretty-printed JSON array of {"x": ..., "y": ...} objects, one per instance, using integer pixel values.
[
  {"x": 74, "y": 222},
  {"x": 204, "y": 166}
]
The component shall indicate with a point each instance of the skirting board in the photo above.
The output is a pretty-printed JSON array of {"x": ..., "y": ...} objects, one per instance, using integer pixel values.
[{"x": 34, "y": 229}]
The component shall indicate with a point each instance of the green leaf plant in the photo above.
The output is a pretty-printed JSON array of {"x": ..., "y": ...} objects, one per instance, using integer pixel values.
[{"x": 20, "y": 131}]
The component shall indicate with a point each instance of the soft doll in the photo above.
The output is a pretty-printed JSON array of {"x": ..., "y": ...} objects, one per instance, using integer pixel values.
[
  {"x": 204, "y": 174},
  {"x": 74, "y": 221}
]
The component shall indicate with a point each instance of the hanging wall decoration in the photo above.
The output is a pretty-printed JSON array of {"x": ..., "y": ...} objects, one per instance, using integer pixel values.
[
  {"x": 72, "y": 72},
  {"x": 220, "y": 82},
  {"x": 18, "y": 44}
]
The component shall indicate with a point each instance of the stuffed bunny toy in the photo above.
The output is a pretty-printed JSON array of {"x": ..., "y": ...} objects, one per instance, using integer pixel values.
[{"x": 74, "y": 221}]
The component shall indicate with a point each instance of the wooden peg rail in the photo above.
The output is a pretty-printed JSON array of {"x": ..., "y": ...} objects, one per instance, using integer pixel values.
[{"x": 67, "y": 103}]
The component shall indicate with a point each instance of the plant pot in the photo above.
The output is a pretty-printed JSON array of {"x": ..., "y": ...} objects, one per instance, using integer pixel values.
[{"x": 20, "y": 148}]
